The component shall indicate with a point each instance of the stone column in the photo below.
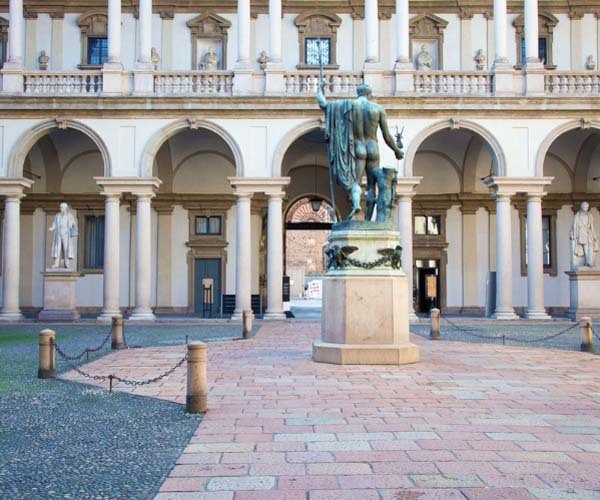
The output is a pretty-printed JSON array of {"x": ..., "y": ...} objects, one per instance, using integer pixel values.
[
  {"x": 12, "y": 72},
  {"x": 112, "y": 275},
  {"x": 15, "y": 34},
  {"x": 371, "y": 32},
  {"x": 275, "y": 31},
  {"x": 143, "y": 255},
  {"x": 275, "y": 258},
  {"x": 501, "y": 54},
  {"x": 535, "y": 255},
  {"x": 143, "y": 77},
  {"x": 11, "y": 253},
  {"x": 406, "y": 241},
  {"x": 114, "y": 32},
  {"x": 243, "y": 264},
  {"x": 402, "y": 37},
  {"x": 243, "y": 32},
  {"x": 531, "y": 32},
  {"x": 504, "y": 271}
]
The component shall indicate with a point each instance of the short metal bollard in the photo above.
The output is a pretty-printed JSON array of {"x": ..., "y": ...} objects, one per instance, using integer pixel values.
[
  {"x": 47, "y": 354},
  {"x": 587, "y": 334},
  {"x": 247, "y": 324},
  {"x": 195, "y": 399},
  {"x": 117, "y": 333},
  {"x": 434, "y": 333}
]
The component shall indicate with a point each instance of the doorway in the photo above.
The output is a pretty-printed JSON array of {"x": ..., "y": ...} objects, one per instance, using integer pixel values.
[
  {"x": 428, "y": 284},
  {"x": 207, "y": 288}
]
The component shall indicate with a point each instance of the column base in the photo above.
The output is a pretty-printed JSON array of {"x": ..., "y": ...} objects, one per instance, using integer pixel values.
[
  {"x": 538, "y": 314},
  {"x": 505, "y": 315},
  {"x": 107, "y": 316},
  {"x": 238, "y": 315},
  {"x": 11, "y": 316},
  {"x": 274, "y": 316},
  {"x": 142, "y": 315}
]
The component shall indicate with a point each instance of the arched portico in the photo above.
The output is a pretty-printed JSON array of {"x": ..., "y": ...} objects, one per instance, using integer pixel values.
[
  {"x": 33, "y": 135},
  {"x": 165, "y": 133},
  {"x": 289, "y": 139},
  {"x": 496, "y": 149}
]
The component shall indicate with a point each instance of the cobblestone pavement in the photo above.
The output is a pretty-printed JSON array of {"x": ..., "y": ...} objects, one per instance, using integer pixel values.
[
  {"x": 470, "y": 421},
  {"x": 64, "y": 440}
]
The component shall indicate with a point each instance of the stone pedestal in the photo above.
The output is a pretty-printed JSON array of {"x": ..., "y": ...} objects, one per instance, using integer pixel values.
[
  {"x": 584, "y": 285},
  {"x": 60, "y": 298},
  {"x": 365, "y": 311}
]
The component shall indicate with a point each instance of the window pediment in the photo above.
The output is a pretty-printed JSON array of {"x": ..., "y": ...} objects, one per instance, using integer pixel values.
[
  {"x": 209, "y": 24},
  {"x": 93, "y": 23},
  {"x": 546, "y": 23},
  {"x": 427, "y": 25},
  {"x": 318, "y": 22}
]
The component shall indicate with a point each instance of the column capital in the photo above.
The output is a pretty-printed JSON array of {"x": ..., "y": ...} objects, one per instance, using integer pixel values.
[
  {"x": 512, "y": 185},
  {"x": 258, "y": 184},
  {"x": 275, "y": 195},
  {"x": 133, "y": 185},
  {"x": 111, "y": 195},
  {"x": 243, "y": 195},
  {"x": 405, "y": 186},
  {"x": 143, "y": 196},
  {"x": 535, "y": 196},
  {"x": 13, "y": 187}
]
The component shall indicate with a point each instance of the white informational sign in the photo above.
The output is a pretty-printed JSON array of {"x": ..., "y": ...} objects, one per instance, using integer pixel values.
[{"x": 314, "y": 290}]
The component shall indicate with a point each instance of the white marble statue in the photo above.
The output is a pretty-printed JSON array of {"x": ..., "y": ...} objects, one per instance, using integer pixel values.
[
  {"x": 584, "y": 242},
  {"x": 210, "y": 61},
  {"x": 64, "y": 228},
  {"x": 424, "y": 59}
]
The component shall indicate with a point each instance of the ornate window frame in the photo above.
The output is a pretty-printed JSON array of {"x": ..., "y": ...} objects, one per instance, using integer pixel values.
[
  {"x": 3, "y": 40},
  {"x": 209, "y": 26},
  {"x": 427, "y": 27},
  {"x": 546, "y": 24},
  {"x": 92, "y": 24},
  {"x": 317, "y": 24}
]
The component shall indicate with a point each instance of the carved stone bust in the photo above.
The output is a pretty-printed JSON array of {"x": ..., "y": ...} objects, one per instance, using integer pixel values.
[{"x": 424, "y": 59}]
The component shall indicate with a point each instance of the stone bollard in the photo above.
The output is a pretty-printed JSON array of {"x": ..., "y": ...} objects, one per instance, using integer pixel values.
[
  {"x": 247, "y": 324},
  {"x": 586, "y": 334},
  {"x": 195, "y": 399},
  {"x": 117, "y": 333},
  {"x": 47, "y": 354},
  {"x": 434, "y": 333}
]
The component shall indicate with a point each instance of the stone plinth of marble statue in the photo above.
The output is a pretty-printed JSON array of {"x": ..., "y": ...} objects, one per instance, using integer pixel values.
[
  {"x": 60, "y": 297},
  {"x": 584, "y": 276},
  {"x": 584, "y": 287},
  {"x": 365, "y": 311}
]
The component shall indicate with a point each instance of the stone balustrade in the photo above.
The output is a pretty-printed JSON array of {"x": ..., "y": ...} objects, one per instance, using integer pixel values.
[
  {"x": 194, "y": 83},
  {"x": 453, "y": 82},
  {"x": 566, "y": 83},
  {"x": 306, "y": 82},
  {"x": 77, "y": 83}
]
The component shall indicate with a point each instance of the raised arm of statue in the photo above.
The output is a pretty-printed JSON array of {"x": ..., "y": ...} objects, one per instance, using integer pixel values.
[
  {"x": 321, "y": 96},
  {"x": 387, "y": 137}
]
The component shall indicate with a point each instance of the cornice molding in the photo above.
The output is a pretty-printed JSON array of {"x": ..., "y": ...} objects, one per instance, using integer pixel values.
[{"x": 355, "y": 7}]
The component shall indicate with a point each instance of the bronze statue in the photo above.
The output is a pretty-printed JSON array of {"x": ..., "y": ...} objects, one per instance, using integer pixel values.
[{"x": 351, "y": 127}]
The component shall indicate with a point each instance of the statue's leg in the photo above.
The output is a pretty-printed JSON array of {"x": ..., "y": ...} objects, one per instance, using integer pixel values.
[
  {"x": 371, "y": 198},
  {"x": 355, "y": 199}
]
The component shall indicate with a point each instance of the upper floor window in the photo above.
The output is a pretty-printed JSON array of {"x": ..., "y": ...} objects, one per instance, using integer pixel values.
[
  {"x": 317, "y": 38},
  {"x": 3, "y": 40},
  {"x": 546, "y": 25},
  {"x": 208, "y": 225},
  {"x": 97, "y": 51},
  {"x": 94, "y": 39},
  {"x": 428, "y": 225}
]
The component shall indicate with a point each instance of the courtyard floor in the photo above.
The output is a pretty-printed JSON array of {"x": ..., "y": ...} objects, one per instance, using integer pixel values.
[{"x": 470, "y": 421}]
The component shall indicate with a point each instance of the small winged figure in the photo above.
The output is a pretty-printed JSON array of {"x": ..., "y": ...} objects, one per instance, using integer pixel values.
[
  {"x": 394, "y": 255},
  {"x": 337, "y": 257}
]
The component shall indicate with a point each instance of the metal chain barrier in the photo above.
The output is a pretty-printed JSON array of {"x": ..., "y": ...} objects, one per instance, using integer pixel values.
[
  {"x": 504, "y": 338},
  {"x": 86, "y": 351},
  {"x": 110, "y": 378}
]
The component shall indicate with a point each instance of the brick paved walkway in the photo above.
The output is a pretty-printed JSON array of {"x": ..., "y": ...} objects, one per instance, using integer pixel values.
[{"x": 469, "y": 421}]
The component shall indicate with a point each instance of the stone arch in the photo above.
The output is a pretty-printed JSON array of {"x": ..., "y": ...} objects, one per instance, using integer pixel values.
[
  {"x": 168, "y": 131},
  {"x": 31, "y": 136},
  {"x": 289, "y": 139},
  {"x": 555, "y": 134},
  {"x": 490, "y": 140}
]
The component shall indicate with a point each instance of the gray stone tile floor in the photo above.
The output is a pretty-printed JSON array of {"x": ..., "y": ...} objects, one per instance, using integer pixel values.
[{"x": 66, "y": 440}]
